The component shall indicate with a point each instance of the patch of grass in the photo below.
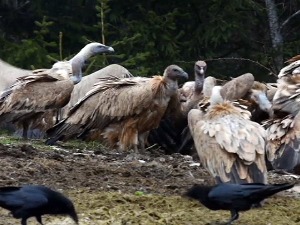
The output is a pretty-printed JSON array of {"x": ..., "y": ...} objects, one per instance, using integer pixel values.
[
  {"x": 117, "y": 208},
  {"x": 77, "y": 145}
]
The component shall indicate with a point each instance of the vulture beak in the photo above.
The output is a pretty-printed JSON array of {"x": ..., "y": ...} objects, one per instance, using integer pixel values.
[
  {"x": 110, "y": 49},
  {"x": 201, "y": 71},
  {"x": 104, "y": 49},
  {"x": 184, "y": 75}
]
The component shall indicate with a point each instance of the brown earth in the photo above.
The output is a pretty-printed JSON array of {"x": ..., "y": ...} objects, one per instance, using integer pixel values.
[{"x": 112, "y": 187}]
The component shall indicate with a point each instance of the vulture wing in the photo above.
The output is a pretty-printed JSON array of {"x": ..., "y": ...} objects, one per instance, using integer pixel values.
[
  {"x": 112, "y": 101},
  {"x": 229, "y": 146},
  {"x": 287, "y": 96},
  {"x": 19, "y": 98},
  {"x": 283, "y": 147},
  {"x": 237, "y": 87}
]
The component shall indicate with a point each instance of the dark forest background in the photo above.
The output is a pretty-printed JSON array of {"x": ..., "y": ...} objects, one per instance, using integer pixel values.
[{"x": 148, "y": 35}]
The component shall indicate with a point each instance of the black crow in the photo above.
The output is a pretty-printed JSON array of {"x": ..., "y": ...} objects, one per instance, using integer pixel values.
[
  {"x": 234, "y": 197},
  {"x": 35, "y": 201}
]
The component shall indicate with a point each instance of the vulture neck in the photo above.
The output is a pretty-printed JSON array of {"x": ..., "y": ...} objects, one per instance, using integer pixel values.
[
  {"x": 172, "y": 85},
  {"x": 264, "y": 102},
  {"x": 216, "y": 97},
  {"x": 209, "y": 83},
  {"x": 78, "y": 61},
  {"x": 199, "y": 80}
]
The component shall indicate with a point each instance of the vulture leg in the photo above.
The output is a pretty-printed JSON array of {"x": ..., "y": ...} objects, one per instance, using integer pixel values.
[
  {"x": 25, "y": 129},
  {"x": 234, "y": 216},
  {"x": 24, "y": 221},
  {"x": 142, "y": 141},
  {"x": 186, "y": 143}
]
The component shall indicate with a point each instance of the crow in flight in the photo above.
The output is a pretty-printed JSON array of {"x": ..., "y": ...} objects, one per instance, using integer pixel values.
[
  {"x": 234, "y": 197},
  {"x": 35, "y": 201}
]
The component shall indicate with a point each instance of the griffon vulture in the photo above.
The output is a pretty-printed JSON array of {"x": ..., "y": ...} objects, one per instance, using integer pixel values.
[
  {"x": 120, "y": 110},
  {"x": 251, "y": 94},
  {"x": 87, "y": 83},
  {"x": 230, "y": 146},
  {"x": 283, "y": 131},
  {"x": 168, "y": 133},
  {"x": 31, "y": 96}
]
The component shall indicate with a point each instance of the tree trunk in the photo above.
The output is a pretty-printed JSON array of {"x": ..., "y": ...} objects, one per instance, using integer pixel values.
[{"x": 275, "y": 33}]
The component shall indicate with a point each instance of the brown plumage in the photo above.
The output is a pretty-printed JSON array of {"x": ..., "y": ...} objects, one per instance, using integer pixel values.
[
  {"x": 258, "y": 102},
  {"x": 168, "y": 133},
  {"x": 293, "y": 59},
  {"x": 291, "y": 69},
  {"x": 287, "y": 96},
  {"x": 87, "y": 83},
  {"x": 121, "y": 111},
  {"x": 283, "y": 131},
  {"x": 283, "y": 145},
  {"x": 237, "y": 87},
  {"x": 271, "y": 90},
  {"x": 45, "y": 89},
  {"x": 253, "y": 98},
  {"x": 229, "y": 145}
]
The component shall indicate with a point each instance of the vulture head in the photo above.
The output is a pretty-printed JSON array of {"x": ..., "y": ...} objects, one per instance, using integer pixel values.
[
  {"x": 199, "y": 70},
  {"x": 258, "y": 94},
  {"x": 78, "y": 61},
  {"x": 174, "y": 72}
]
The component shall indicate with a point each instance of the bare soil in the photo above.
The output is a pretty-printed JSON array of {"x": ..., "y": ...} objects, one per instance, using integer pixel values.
[{"x": 112, "y": 187}]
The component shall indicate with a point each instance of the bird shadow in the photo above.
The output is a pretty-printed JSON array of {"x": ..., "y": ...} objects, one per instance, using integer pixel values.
[
  {"x": 217, "y": 223},
  {"x": 223, "y": 223}
]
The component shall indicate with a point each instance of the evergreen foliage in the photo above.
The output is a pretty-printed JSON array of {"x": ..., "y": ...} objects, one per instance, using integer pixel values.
[{"x": 148, "y": 35}]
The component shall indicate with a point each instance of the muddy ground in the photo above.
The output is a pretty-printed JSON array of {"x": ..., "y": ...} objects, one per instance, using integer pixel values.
[{"x": 112, "y": 187}]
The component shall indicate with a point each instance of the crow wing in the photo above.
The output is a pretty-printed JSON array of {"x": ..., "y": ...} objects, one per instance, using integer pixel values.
[{"x": 13, "y": 198}]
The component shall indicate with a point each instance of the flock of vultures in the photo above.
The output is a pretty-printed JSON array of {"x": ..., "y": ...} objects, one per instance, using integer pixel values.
[{"x": 239, "y": 128}]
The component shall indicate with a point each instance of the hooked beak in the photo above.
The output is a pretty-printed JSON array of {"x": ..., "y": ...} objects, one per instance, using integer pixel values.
[
  {"x": 110, "y": 49},
  {"x": 107, "y": 49},
  {"x": 185, "y": 75},
  {"x": 202, "y": 71}
]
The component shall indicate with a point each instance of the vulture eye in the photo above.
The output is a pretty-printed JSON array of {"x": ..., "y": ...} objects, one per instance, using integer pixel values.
[{"x": 175, "y": 70}]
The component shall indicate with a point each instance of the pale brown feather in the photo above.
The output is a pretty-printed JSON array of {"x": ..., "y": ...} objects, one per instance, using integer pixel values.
[
  {"x": 237, "y": 87},
  {"x": 227, "y": 143},
  {"x": 120, "y": 110}
]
